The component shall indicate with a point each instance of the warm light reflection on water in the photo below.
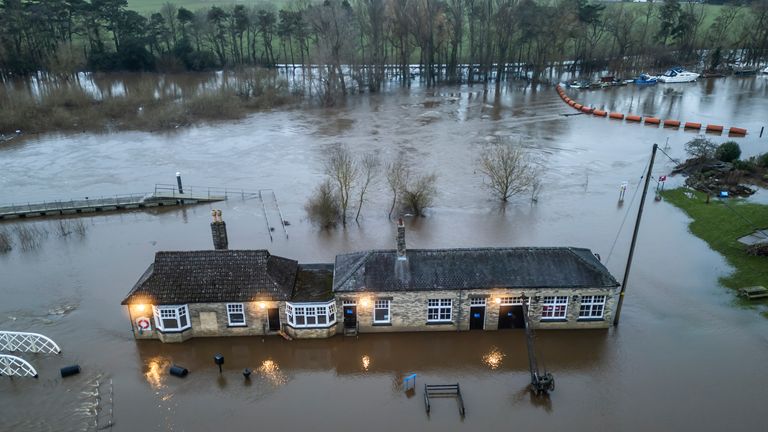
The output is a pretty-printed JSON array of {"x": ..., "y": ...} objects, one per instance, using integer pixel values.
[
  {"x": 366, "y": 362},
  {"x": 494, "y": 358},
  {"x": 157, "y": 368},
  {"x": 270, "y": 370}
]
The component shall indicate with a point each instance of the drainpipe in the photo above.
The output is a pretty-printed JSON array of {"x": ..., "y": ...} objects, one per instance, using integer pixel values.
[{"x": 461, "y": 308}]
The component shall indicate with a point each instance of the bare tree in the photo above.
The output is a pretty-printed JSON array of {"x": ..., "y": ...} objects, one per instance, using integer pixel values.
[
  {"x": 419, "y": 193},
  {"x": 340, "y": 166},
  {"x": 323, "y": 206},
  {"x": 397, "y": 173},
  {"x": 369, "y": 167},
  {"x": 508, "y": 168}
]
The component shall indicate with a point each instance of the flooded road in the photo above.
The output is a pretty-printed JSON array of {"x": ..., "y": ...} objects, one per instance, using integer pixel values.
[{"x": 685, "y": 356}]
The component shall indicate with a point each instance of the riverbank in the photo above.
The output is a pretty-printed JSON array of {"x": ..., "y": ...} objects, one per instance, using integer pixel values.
[
  {"x": 721, "y": 227},
  {"x": 144, "y": 102}
]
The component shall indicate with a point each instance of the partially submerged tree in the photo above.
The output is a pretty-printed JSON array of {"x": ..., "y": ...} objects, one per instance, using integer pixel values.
[
  {"x": 418, "y": 193},
  {"x": 701, "y": 148},
  {"x": 397, "y": 173},
  {"x": 508, "y": 168},
  {"x": 323, "y": 207},
  {"x": 340, "y": 166},
  {"x": 369, "y": 167}
]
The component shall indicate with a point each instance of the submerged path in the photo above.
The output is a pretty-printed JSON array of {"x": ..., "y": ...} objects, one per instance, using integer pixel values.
[{"x": 161, "y": 197}]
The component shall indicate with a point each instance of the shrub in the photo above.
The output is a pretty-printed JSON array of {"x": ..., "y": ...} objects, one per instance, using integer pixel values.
[
  {"x": 762, "y": 160},
  {"x": 323, "y": 207},
  {"x": 728, "y": 151}
]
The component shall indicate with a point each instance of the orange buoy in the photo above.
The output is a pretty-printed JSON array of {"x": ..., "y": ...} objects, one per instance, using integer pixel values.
[
  {"x": 652, "y": 120},
  {"x": 599, "y": 113},
  {"x": 571, "y": 102},
  {"x": 578, "y": 106},
  {"x": 737, "y": 131},
  {"x": 616, "y": 115},
  {"x": 586, "y": 109},
  {"x": 714, "y": 128},
  {"x": 692, "y": 125},
  {"x": 672, "y": 123},
  {"x": 634, "y": 118}
]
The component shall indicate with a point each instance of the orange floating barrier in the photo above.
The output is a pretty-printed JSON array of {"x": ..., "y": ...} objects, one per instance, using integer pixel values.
[
  {"x": 571, "y": 102},
  {"x": 714, "y": 128},
  {"x": 634, "y": 118},
  {"x": 652, "y": 120},
  {"x": 578, "y": 106},
  {"x": 737, "y": 131},
  {"x": 672, "y": 123},
  {"x": 692, "y": 125},
  {"x": 586, "y": 109},
  {"x": 599, "y": 113},
  {"x": 616, "y": 116}
]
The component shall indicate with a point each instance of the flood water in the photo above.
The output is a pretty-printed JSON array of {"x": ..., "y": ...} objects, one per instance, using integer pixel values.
[{"x": 685, "y": 357}]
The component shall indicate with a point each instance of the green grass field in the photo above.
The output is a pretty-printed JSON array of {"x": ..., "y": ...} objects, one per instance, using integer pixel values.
[{"x": 720, "y": 228}]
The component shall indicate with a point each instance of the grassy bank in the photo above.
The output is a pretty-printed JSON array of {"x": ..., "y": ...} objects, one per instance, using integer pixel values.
[
  {"x": 720, "y": 227},
  {"x": 149, "y": 104}
]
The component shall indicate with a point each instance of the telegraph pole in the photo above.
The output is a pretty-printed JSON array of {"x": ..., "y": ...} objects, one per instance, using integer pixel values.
[{"x": 634, "y": 237}]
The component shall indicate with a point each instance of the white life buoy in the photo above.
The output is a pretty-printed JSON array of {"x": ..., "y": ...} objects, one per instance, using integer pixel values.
[{"x": 143, "y": 323}]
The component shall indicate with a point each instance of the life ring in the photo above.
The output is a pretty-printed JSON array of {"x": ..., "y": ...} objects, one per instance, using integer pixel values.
[{"x": 143, "y": 323}]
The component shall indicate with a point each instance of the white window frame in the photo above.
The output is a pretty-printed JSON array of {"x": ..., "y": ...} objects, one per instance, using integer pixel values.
[
  {"x": 232, "y": 308},
  {"x": 178, "y": 313},
  {"x": 439, "y": 308},
  {"x": 555, "y": 302},
  {"x": 589, "y": 304},
  {"x": 382, "y": 304},
  {"x": 513, "y": 301},
  {"x": 311, "y": 315},
  {"x": 477, "y": 301}
]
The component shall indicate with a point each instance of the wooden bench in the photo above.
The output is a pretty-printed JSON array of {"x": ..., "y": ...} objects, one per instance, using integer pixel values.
[{"x": 754, "y": 292}]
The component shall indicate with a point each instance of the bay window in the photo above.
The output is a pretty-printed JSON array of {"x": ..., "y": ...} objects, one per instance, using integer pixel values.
[
  {"x": 307, "y": 315},
  {"x": 171, "y": 318}
]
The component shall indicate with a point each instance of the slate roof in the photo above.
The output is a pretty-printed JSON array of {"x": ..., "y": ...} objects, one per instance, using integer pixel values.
[
  {"x": 213, "y": 276},
  {"x": 451, "y": 269}
]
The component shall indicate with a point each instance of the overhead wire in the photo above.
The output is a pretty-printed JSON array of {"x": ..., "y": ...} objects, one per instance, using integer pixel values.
[{"x": 626, "y": 214}]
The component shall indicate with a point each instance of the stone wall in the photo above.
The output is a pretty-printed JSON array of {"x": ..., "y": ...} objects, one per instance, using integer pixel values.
[
  {"x": 209, "y": 319},
  {"x": 408, "y": 310}
]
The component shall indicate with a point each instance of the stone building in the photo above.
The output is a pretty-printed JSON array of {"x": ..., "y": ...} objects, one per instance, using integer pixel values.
[{"x": 231, "y": 293}]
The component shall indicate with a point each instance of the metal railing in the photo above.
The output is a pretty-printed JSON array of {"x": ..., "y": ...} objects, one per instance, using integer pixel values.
[
  {"x": 27, "y": 342},
  {"x": 15, "y": 366}
]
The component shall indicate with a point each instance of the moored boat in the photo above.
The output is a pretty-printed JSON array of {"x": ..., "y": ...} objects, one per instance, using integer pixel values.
[
  {"x": 645, "y": 79},
  {"x": 678, "y": 75}
]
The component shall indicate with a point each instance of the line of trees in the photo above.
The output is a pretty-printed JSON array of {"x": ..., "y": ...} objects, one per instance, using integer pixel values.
[{"x": 363, "y": 40}]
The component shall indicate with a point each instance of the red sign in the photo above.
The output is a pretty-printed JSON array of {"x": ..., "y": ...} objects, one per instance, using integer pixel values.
[{"x": 663, "y": 178}]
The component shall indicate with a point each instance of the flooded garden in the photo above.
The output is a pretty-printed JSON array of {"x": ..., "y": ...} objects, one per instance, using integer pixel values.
[{"x": 673, "y": 362}]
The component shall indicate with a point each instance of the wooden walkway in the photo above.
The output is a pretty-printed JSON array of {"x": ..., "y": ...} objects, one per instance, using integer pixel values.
[{"x": 161, "y": 197}]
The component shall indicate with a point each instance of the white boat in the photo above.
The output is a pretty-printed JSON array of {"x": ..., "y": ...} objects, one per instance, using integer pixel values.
[
  {"x": 765, "y": 71},
  {"x": 678, "y": 75}
]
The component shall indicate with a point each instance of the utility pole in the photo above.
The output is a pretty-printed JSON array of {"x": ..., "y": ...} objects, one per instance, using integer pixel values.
[{"x": 634, "y": 237}]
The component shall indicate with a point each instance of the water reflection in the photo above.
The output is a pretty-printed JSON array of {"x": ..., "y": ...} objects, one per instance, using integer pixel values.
[
  {"x": 156, "y": 370},
  {"x": 366, "y": 362},
  {"x": 270, "y": 371},
  {"x": 494, "y": 358}
]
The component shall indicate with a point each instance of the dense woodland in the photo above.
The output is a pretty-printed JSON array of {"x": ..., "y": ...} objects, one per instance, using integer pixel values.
[{"x": 365, "y": 40}]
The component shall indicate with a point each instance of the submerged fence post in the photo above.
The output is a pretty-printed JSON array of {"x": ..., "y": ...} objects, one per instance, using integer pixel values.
[{"x": 178, "y": 181}]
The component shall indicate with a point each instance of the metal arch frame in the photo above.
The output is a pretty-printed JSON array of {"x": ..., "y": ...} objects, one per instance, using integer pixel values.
[
  {"x": 27, "y": 342},
  {"x": 16, "y": 366}
]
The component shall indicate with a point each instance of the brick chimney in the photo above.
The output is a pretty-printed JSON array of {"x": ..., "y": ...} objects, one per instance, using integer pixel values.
[
  {"x": 402, "y": 269},
  {"x": 219, "y": 231}
]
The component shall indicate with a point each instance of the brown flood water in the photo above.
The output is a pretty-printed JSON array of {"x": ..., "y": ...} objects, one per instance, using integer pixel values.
[{"x": 685, "y": 357}]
